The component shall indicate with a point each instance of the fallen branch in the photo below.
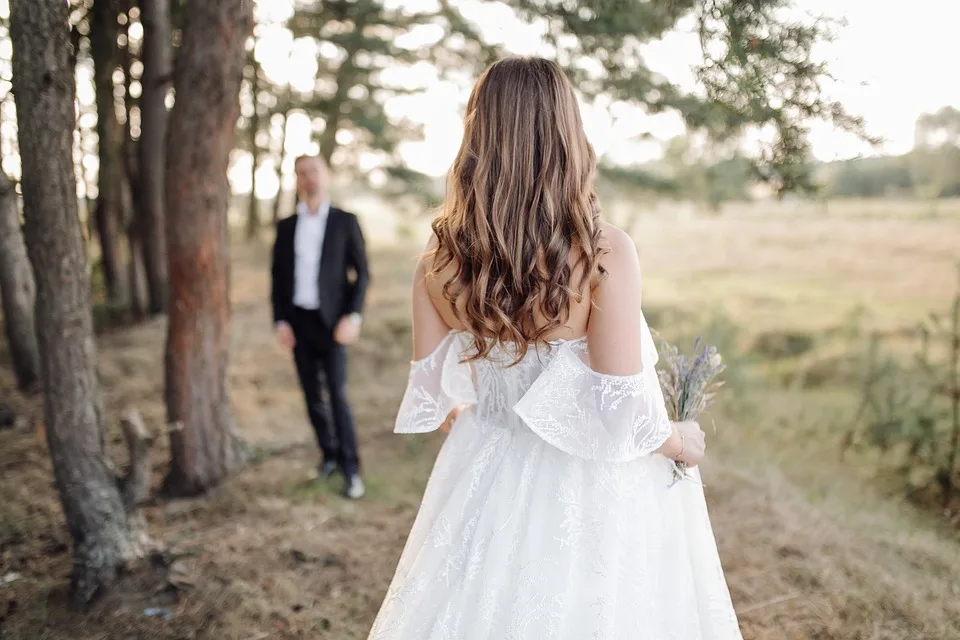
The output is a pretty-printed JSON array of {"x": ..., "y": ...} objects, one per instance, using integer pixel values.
[
  {"x": 769, "y": 603},
  {"x": 136, "y": 484}
]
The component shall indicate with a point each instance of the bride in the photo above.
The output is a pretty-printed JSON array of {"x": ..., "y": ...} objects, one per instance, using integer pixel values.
[{"x": 550, "y": 512}]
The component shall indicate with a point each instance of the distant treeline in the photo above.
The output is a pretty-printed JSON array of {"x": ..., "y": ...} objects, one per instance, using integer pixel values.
[
  {"x": 930, "y": 170},
  {"x": 687, "y": 171},
  {"x": 923, "y": 173},
  {"x": 693, "y": 169}
]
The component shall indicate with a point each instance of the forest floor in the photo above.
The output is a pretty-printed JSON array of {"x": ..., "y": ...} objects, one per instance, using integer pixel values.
[{"x": 274, "y": 554}]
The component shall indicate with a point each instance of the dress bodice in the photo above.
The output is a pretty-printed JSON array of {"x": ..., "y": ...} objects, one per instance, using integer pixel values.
[
  {"x": 552, "y": 391},
  {"x": 500, "y": 384}
]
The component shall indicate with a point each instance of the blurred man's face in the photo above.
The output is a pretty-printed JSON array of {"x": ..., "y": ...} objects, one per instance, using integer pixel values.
[{"x": 312, "y": 177}]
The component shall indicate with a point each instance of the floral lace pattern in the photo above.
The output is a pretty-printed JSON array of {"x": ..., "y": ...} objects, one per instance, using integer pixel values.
[
  {"x": 592, "y": 415},
  {"x": 437, "y": 385},
  {"x": 546, "y": 517}
]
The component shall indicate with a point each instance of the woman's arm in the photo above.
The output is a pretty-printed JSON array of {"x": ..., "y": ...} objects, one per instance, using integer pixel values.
[
  {"x": 614, "y": 333},
  {"x": 429, "y": 327}
]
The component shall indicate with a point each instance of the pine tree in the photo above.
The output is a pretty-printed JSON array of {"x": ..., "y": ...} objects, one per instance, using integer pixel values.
[
  {"x": 203, "y": 443},
  {"x": 106, "y": 54},
  {"x": 43, "y": 79},
  {"x": 358, "y": 40},
  {"x": 156, "y": 80},
  {"x": 758, "y": 69},
  {"x": 17, "y": 290}
]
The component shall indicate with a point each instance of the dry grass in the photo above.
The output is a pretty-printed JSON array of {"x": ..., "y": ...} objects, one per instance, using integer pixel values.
[
  {"x": 274, "y": 555},
  {"x": 803, "y": 273}
]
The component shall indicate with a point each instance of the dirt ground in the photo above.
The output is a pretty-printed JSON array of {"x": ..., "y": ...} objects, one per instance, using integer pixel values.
[{"x": 275, "y": 555}]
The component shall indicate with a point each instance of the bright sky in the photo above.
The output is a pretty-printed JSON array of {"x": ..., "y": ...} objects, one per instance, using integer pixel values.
[{"x": 883, "y": 62}]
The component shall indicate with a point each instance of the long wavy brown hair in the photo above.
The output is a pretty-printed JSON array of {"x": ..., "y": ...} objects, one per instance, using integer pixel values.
[{"x": 518, "y": 233}]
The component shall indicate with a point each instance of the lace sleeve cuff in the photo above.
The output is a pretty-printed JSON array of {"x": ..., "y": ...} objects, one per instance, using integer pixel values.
[
  {"x": 436, "y": 385},
  {"x": 593, "y": 415}
]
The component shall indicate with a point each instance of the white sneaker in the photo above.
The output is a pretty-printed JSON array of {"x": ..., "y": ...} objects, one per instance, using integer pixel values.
[{"x": 354, "y": 488}]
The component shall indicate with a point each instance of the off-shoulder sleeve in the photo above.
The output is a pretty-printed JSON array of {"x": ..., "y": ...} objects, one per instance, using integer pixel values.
[
  {"x": 596, "y": 416},
  {"x": 437, "y": 385}
]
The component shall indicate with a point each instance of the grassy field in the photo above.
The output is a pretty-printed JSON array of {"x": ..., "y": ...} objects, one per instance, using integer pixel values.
[{"x": 812, "y": 548}]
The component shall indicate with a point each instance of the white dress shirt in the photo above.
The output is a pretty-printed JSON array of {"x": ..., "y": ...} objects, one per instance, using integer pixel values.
[{"x": 308, "y": 248}]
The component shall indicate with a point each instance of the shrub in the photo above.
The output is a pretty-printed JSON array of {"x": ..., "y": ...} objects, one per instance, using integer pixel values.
[{"x": 910, "y": 409}]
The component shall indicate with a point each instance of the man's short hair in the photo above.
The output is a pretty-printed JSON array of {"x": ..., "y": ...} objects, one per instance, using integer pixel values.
[{"x": 310, "y": 156}]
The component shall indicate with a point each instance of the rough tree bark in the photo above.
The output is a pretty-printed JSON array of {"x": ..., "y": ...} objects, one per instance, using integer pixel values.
[
  {"x": 43, "y": 86},
  {"x": 204, "y": 446},
  {"x": 18, "y": 290},
  {"x": 105, "y": 52},
  {"x": 155, "y": 15}
]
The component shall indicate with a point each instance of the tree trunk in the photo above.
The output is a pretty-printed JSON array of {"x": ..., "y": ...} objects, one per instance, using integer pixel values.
[
  {"x": 328, "y": 139},
  {"x": 136, "y": 276},
  {"x": 130, "y": 195},
  {"x": 345, "y": 79},
  {"x": 105, "y": 52},
  {"x": 43, "y": 85},
  {"x": 253, "y": 214},
  {"x": 204, "y": 446},
  {"x": 18, "y": 290},
  {"x": 278, "y": 201},
  {"x": 89, "y": 203},
  {"x": 153, "y": 130}
]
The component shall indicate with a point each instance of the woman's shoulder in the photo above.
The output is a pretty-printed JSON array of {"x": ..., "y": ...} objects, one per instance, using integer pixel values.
[
  {"x": 615, "y": 240},
  {"x": 433, "y": 277},
  {"x": 619, "y": 253},
  {"x": 432, "y": 243},
  {"x": 428, "y": 256}
]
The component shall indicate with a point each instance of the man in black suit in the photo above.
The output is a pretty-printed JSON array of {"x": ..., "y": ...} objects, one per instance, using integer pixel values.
[{"x": 316, "y": 310}]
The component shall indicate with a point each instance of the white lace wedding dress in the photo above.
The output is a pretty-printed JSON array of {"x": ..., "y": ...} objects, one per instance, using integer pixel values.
[{"x": 547, "y": 516}]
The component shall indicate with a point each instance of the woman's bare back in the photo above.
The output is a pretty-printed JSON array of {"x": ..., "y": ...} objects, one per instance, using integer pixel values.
[
  {"x": 606, "y": 314},
  {"x": 579, "y": 315}
]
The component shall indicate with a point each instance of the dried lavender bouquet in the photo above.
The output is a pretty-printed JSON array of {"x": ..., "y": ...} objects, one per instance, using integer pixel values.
[{"x": 689, "y": 384}]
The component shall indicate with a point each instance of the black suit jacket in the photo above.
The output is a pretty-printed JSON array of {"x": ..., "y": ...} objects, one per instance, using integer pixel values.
[{"x": 343, "y": 251}]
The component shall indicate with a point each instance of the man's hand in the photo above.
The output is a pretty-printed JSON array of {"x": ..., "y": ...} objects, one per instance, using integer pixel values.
[
  {"x": 285, "y": 335},
  {"x": 348, "y": 329}
]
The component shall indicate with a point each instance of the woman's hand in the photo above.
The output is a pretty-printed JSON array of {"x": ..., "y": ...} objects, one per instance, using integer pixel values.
[
  {"x": 451, "y": 418},
  {"x": 686, "y": 445},
  {"x": 693, "y": 445}
]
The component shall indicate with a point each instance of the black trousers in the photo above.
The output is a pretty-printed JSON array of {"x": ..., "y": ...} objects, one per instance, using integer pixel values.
[{"x": 322, "y": 369}]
